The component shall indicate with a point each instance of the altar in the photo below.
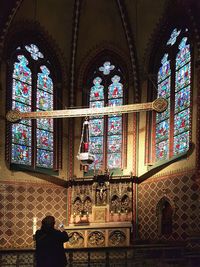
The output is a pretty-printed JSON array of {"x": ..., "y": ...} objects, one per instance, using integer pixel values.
[{"x": 99, "y": 235}]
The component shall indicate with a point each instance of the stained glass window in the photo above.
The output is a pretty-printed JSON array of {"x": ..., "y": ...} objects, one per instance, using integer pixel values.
[
  {"x": 162, "y": 119},
  {"x": 32, "y": 90},
  {"x": 174, "y": 84},
  {"x": 106, "y": 131}
]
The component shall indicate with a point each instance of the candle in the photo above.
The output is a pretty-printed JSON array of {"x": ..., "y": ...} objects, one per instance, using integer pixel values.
[{"x": 34, "y": 225}]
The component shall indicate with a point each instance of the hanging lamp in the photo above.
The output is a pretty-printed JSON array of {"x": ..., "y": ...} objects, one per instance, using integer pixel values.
[{"x": 84, "y": 154}]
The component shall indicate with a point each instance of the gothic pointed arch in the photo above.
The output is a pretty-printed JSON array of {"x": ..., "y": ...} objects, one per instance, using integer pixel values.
[
  {"x": 169, "y": 133},
  {"x": 34, "y": 82},
  {"x": 106, "y": 84}
]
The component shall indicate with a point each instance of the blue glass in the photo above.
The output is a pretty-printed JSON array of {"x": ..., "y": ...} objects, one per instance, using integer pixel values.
[
  {"x": 21, "y": 134},
  {"x": 183, "y": 77},
  {"x": 44, "y": 100},
  {"x": 114, "y": 143},
  {"x": 175, "y": 33},
  {"x": 96, "y": 145},
  {"x": 23, "y": 108},
  {"x": 162, "y": 150},
  {"x": 114, "y": 160},
  {"x": 44, "y": 158},
  {"x": 115, "y": 102},
  {"x": 21, "y": 92},
  {"x": 163, "y": 115},
  {"x": 162, "y": 131},
  {"x": 164, "y": 70},
  {"x": 44, "y": 139},
  {"x": 97, "y": 91},
  {"x": 34, "y": 51},
  {"x": 96, "y": 127},
  {"x": 44, "y": 82},
  {"x": 181, "y": 143},
  {"x": 164, "y": 88},
  {"x": 183, "y": 55},
  {"x": 106, "y": 68},
  {"x": 21, "y": 71},
  {"x": 182, "y": 99},
  {"x": 98, "y": 162},
  {"x": 115, "y": 90},
  {"x": 114, "y": 125},
  {"x": 97, "y": 104},
  {"x": 21, "y": 154},
  {"x": 45, "y": 124},
  {"x": 182, "y": 121}
]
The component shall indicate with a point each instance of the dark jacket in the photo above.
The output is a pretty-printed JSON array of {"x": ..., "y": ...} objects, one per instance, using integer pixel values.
[{"x": 49, "y": 248}]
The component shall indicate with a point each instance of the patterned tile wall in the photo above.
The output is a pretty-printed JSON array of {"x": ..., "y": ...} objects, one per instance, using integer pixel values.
[
  {"x": 20, "y": 203},
  {"x": 183, "y": 193}
]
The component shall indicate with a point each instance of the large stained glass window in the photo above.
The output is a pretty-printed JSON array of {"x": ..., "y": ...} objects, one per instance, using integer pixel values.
[
  {"x": 32, "y": 90},
  {"x": 106, "y": 131},
  {"x": 174, "y": 84}
]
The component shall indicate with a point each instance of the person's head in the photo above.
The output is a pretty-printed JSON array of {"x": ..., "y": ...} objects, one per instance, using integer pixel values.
[{"x": 48, "y": 222}]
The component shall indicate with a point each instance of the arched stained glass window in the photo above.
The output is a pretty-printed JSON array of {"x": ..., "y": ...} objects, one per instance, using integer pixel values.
[
  {"x": 174, "y": 84},
  {"x": 32, "y": 90},
  {"x": 106, "y": 132}
]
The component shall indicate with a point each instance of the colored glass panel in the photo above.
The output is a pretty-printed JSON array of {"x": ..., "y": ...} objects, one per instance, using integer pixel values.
[
  {"x": 164, "y": 70},
  {"x": 172, "y": 40},
  {"x": 182, "y": 99},
  {"x": 106, "y": 68},
  {"x": 113, "y": 95},
  {"x": 21, "y": 154},
  {"x": 97, "y": 104},
  {"x": 115, "y": 90},
  {"x": 163, "y": 115},
  {"x": 114, "y": 143},
  {"x": 34, "y": 51},
  {"x": 183, "y": 55},
  {"x": 44, "y": 100},
  {"x": 183, "y": 77},
  {"x": 162, "y": 131},
  {"x": 21, "y": 71},
  {"x": 21, "y": 134},
  {"x": 21, "y": 92},
  {"x": 44, "y": 82},
  {"x": 98, "y": 162},
  {"x": 97, "y": 92},
  {"x": 114, "y": 125},
  {"x": 114, "y": 160},
  {"x": 115, "y": 102},
  {"x": 44, "y": 158},
  {"x": 182, "y": 122},
  {"x": 96, "y": 144},
  {"x": 162, "y": 150},
  {"x": 45, "y": 124},
  {"x": 96, "y": 127},
  {"x": 23, "y": 108},
  {"x": 44, "y": 139},
  {"x": 181, "y": 143},
  {"x": 164, "y": 88}
]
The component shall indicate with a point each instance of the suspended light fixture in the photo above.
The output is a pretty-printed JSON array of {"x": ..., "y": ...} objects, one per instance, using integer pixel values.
[{"x": 84, "y": 154}]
